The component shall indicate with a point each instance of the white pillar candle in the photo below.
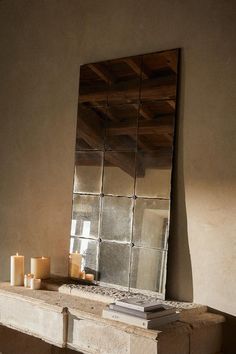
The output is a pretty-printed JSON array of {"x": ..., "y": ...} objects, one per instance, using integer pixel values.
[
  {"x": 17, "y": 270},
  {"x": 35, "y": 284},
  {"x": 40, "y": 267},
  {"x": 75, "y": 260}
]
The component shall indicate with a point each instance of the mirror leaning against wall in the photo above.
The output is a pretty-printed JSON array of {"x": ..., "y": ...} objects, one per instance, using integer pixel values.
[{"x": 123, "y": 165}]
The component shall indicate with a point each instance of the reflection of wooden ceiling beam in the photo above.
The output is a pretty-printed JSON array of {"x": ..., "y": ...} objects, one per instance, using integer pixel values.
[
  {"x": 156, "y": 141},
  {"x": 136, "y": 68},
  {"x": 145, "y": 127},
  {"x": 170, "y": 57},
  {"x": 118, "y": 159},
  {"x": 161, "y": 158},
  {"x": 144, "y": 145},
  {"x": 171, "y": 103},
  {"x": 89, "y": 128},
  {"x": 169, "y": 137},
  {"x": 107, "y": 113},
  {"x": 144, "y": 112},
  {"x": 102, "y": 72},
  {"x": 152, "y": 89}
]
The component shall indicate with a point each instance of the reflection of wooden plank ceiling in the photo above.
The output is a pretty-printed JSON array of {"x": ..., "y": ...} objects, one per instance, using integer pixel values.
[{"x": 129, "y": 100}]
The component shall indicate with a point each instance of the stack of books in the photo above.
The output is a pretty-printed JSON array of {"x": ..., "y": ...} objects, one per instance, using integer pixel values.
[{"x": 141, "y": 313}]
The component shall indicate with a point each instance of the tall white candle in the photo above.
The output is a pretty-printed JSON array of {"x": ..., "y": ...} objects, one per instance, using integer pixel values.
[
  {"x": 17, "y": 270},
  {"x": 40, "y": 267},
  {"x": 75, "y": 260}
]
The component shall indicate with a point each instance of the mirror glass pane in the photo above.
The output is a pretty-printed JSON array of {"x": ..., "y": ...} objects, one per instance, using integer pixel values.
[
  {"x": 85, "y": 216},
  {"x": 123, "y": 168},
  {"x": 90, "y": 128},
  {"x": 125, "y": 84},
  {"x": 148, "y": 269},
  {"x": 119, "y": 173},
  {"x": 153, "y": 174},
  {"x": 114, "y": 263},
  {"x": 89, "y": 250},
  {"x": 151, "y": 223},
  {"x": 88, "y": 172},
  {"x": 94, "y": 85},
  {"x": 121, "y": 127},
  {"x": 116, "y": 218}
]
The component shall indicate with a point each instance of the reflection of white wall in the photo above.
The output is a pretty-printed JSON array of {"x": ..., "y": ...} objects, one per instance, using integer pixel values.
[
  {"x": 148, "y": 272},
  {"x": 73, "y": 226},
  {"x": 152, "y": 226},
  {"x": 148, "y": 267},
  {"x": 154, "y": 183}
]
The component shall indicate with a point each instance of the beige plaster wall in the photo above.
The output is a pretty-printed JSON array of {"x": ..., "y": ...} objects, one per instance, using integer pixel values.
[{"x": 42, "y": 44}]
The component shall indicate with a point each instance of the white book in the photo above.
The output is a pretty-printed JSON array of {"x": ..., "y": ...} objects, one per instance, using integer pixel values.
[
  {"x": 138, "y": 304},
  {"x": 137, "y": 321},
  {"x": 163, "y": 310}
]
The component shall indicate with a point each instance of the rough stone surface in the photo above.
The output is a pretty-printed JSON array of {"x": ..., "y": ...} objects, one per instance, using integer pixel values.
[
  {"x": 33, "y": 316},
  {"x": 76, "y": 322},
  {"x": 108, "y": 295},
  {"x": 174, "y": 339},
  {"x": 206, "y": 340}
]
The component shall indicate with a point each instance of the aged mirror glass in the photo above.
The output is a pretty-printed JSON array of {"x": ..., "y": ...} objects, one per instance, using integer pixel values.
[{"x": 123, "y": 167}]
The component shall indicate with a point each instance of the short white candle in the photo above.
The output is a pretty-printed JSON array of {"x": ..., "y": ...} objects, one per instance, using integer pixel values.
[
  {"x": 35, "y": 284},
  {"x": 27, "y": 279},
  {"x": 17, "y": 270},
  {"x": 89, "y": 277},
  {"x": 75, "y": 260},
  {"x": 40, "y": 267}
]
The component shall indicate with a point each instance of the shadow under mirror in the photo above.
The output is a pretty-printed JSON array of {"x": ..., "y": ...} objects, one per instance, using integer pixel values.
[{"x": 123, "y": 167}]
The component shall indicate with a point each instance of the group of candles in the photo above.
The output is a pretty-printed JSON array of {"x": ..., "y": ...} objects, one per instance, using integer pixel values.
[{"x": 40, "y": 269}]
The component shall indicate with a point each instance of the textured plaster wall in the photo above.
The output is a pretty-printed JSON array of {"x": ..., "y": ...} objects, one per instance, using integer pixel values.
[{"x": 42, "y": 44}]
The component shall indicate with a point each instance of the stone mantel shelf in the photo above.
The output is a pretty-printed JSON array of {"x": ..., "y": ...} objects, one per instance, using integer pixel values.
[{"x": 65, "y": 320}]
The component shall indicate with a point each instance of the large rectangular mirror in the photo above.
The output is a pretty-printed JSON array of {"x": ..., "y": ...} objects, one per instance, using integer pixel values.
[{"x": 123, "y": 166}]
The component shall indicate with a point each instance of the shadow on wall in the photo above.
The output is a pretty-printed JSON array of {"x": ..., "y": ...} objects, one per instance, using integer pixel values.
[
  {"x": 179, "y": 269},
  {"x": 229, "y": 332},
  {"x": 14, "y": 342}
]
